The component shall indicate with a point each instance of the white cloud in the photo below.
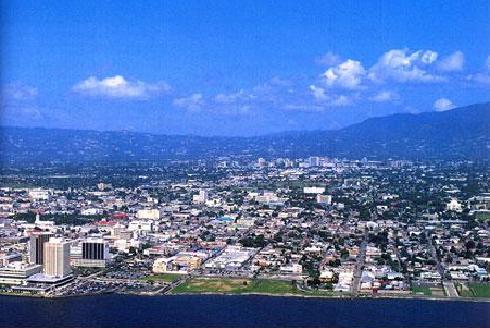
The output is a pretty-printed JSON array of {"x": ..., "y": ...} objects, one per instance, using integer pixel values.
[
  {"x": 384, "y": 96},
  {"x": 452, "y": 63},
  {"x": 427, "y": 56},
  {"x": 194, "y": 102},
  {"x": 443, "y": 104},
  {"x": 18, "y": 91},
  {"x": 118, "y": 87},
  {"x": 231, "y": 98},
  {"x": 483, "y": 78},
  {"x": 329, "y": 59},
  {"x": 341, "y": 101},
  {"x": 348, "y": 74},
  {"x": 318, "y": 92},
  {"x": 400, "y": 65}
]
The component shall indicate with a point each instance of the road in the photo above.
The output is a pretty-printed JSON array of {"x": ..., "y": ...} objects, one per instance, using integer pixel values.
[
  {"x": 361, "y": 259},
  {"x": 440, "y": 267},
  {"x": 450, "y": 289},
  {"x": 447, "y": 285}
]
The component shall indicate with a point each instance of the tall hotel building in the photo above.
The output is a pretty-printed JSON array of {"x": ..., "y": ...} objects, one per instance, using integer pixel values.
[{"x": 57, "y": 258}]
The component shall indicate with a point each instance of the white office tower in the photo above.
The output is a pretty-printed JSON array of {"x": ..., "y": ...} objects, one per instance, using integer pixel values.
[{"x": 57, "y": 258}]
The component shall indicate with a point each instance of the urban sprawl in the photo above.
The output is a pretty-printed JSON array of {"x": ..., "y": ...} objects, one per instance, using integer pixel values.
[{"x": 308, "y": 227}]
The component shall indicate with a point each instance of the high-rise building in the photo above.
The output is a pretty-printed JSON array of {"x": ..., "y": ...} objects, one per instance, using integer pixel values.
[
  {"x": 36, "y": 247},
  {"x": 57, "y": 258},
  {"x": 94, "y": 250},
  {"x": 93, "y": 253}
]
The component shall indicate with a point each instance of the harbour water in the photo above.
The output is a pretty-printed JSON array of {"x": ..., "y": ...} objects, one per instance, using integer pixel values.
[{"x": 237, "y": 311}]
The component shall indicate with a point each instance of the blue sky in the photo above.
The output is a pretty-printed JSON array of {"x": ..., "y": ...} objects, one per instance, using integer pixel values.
[{"x": 236, "y": 67}]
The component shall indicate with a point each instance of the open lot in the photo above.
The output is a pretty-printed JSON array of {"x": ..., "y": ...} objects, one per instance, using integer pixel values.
[
  {"x": 200, "y": 285},
  {"x": 165, "y": 277}
]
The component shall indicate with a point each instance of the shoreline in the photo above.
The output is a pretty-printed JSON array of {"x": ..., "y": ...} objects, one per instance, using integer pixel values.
[{"x": 326, "y": 297}]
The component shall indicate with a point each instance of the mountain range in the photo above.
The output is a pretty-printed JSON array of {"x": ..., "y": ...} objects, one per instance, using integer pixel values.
[{"x": 461, "y": 133}]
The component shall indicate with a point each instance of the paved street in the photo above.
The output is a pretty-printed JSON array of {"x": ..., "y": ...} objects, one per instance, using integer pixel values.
[
  {"x": 450, "y": 289},
  {"x": 361, "y": 258}
]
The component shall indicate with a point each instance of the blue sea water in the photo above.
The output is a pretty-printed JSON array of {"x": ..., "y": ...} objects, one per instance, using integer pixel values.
[{"x": 237, "y": 311}]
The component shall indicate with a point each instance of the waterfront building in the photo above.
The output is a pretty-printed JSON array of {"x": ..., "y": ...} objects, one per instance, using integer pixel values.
[
  {"x": 92, "y": 253},
  {"x": 16, "y": 273},
  {"x": 57, "y": 258}
]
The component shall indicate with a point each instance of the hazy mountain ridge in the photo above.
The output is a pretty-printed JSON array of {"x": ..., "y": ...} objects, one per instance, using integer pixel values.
[{"x": 461, "y": 133}]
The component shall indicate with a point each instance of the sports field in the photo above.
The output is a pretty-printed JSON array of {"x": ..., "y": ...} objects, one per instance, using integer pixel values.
[{"x": 201, "y": 285}]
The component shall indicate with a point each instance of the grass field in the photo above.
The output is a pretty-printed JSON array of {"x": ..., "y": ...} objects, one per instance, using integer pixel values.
[
  {"x": 475, "y": 290},
  {"x": 421, "y": 290},
  {"x": 165, "y": 277},
  {"x": 241, "y": 286},
  {"x": 480, "y": 289},
  {"x": 236, "y": 286}
]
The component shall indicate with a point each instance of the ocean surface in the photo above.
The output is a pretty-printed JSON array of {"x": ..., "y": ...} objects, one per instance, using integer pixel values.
[{"x": 237, "y": 311}]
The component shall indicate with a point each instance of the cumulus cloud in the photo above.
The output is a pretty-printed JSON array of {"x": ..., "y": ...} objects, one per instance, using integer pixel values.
[
  {"x": 329, "y": 59},
  {"x": 396, "y": 65},
  {"x": 384, "y": 96},
  {"x": 452, "y": 63},
  {"x": 118, "y": 87},
  {"x": 401, "y": 65},
  {"x": 194, "y": 102},
  {"x": 348, "y": 74},
  {"x": 443, "y": 104}
]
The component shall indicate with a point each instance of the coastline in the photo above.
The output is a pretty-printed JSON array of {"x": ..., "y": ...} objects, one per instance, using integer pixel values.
[{"x": 289, "y": 295}]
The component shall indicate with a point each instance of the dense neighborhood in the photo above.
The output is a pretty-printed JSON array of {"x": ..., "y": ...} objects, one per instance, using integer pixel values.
[{"x": 314, "y": 227}]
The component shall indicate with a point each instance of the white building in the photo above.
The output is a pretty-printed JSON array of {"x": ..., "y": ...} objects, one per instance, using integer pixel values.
[
  {"x": 324, "y": 199},
  {"x": 313, "y": 190},
  {"x": 454, "y": 205},
  {"x": 57, "y": 258},
  {"x": 16, "y": 273},
  {"x": 201, "y": 198},
  {"x": 148, "y": 214},
  {"x": 141, "y": 225}
]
